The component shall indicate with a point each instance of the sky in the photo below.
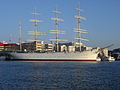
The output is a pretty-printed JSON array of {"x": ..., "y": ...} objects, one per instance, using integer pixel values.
[{"x": 103, "y": 20}]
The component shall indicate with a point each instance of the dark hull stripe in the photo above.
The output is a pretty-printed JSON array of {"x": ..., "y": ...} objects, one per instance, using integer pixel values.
[{"x": 51, "y": 60}]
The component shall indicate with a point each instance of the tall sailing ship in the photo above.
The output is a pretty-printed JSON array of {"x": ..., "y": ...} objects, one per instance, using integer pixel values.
[{"x": 56, "y": 51}]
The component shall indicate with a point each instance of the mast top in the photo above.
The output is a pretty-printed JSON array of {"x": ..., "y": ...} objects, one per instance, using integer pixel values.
[
  {"x": 56, "y": 18},
  {"x": 35, "y": 20},
  {"x": 78, "y": 13},
  {"x": 56, "y": 11}
]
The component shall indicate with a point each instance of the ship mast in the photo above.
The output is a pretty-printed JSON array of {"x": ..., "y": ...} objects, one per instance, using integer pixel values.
[
  {"x": 78, "y": 30},
  {"x": 57, "y": 31},
  {"x": 20, "y": 36},
  {"x": 35, "y": 23}
]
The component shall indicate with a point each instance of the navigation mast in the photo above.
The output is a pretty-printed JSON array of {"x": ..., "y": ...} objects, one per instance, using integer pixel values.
[
  {"x": 57, "y": 31},
  {"x": 78, "y": 30},
  {"x": 20, "y": 36},
  {"x": 35, "y": 23}
]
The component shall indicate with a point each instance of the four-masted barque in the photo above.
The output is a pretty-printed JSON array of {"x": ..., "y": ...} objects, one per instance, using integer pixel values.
[{"x": 56, "y": 51}]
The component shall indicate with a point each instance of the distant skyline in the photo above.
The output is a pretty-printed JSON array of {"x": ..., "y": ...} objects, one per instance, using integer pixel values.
[{"x": 103, "y": 19}]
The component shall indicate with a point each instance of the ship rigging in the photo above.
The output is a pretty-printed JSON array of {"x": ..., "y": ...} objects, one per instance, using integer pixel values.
[
  {"x": 78, "y": 29},
  {"x": 57, "y": 31}
]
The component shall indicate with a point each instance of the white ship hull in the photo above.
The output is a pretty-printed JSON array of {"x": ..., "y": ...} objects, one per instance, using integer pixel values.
[{"x": 76, "y": 56}]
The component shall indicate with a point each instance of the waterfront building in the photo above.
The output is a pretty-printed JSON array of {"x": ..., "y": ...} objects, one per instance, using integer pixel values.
[
  {"x": 33, "y": 46},
  {"x": 1, "y": 46},
  {"x": 11, "y": 47}
]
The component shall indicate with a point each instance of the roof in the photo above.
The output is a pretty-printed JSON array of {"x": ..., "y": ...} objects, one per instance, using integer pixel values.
[
  {"x": 39, "y": 41},
  {"x": 1, "y": 44},
  {"x": 11, "y": 44}
]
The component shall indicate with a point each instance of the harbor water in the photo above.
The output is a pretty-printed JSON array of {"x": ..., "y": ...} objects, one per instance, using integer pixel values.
[{"x": 59, "y": 75}]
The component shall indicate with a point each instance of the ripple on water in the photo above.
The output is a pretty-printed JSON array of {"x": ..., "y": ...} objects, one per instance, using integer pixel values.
[{"x": 59, "y": 76}]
